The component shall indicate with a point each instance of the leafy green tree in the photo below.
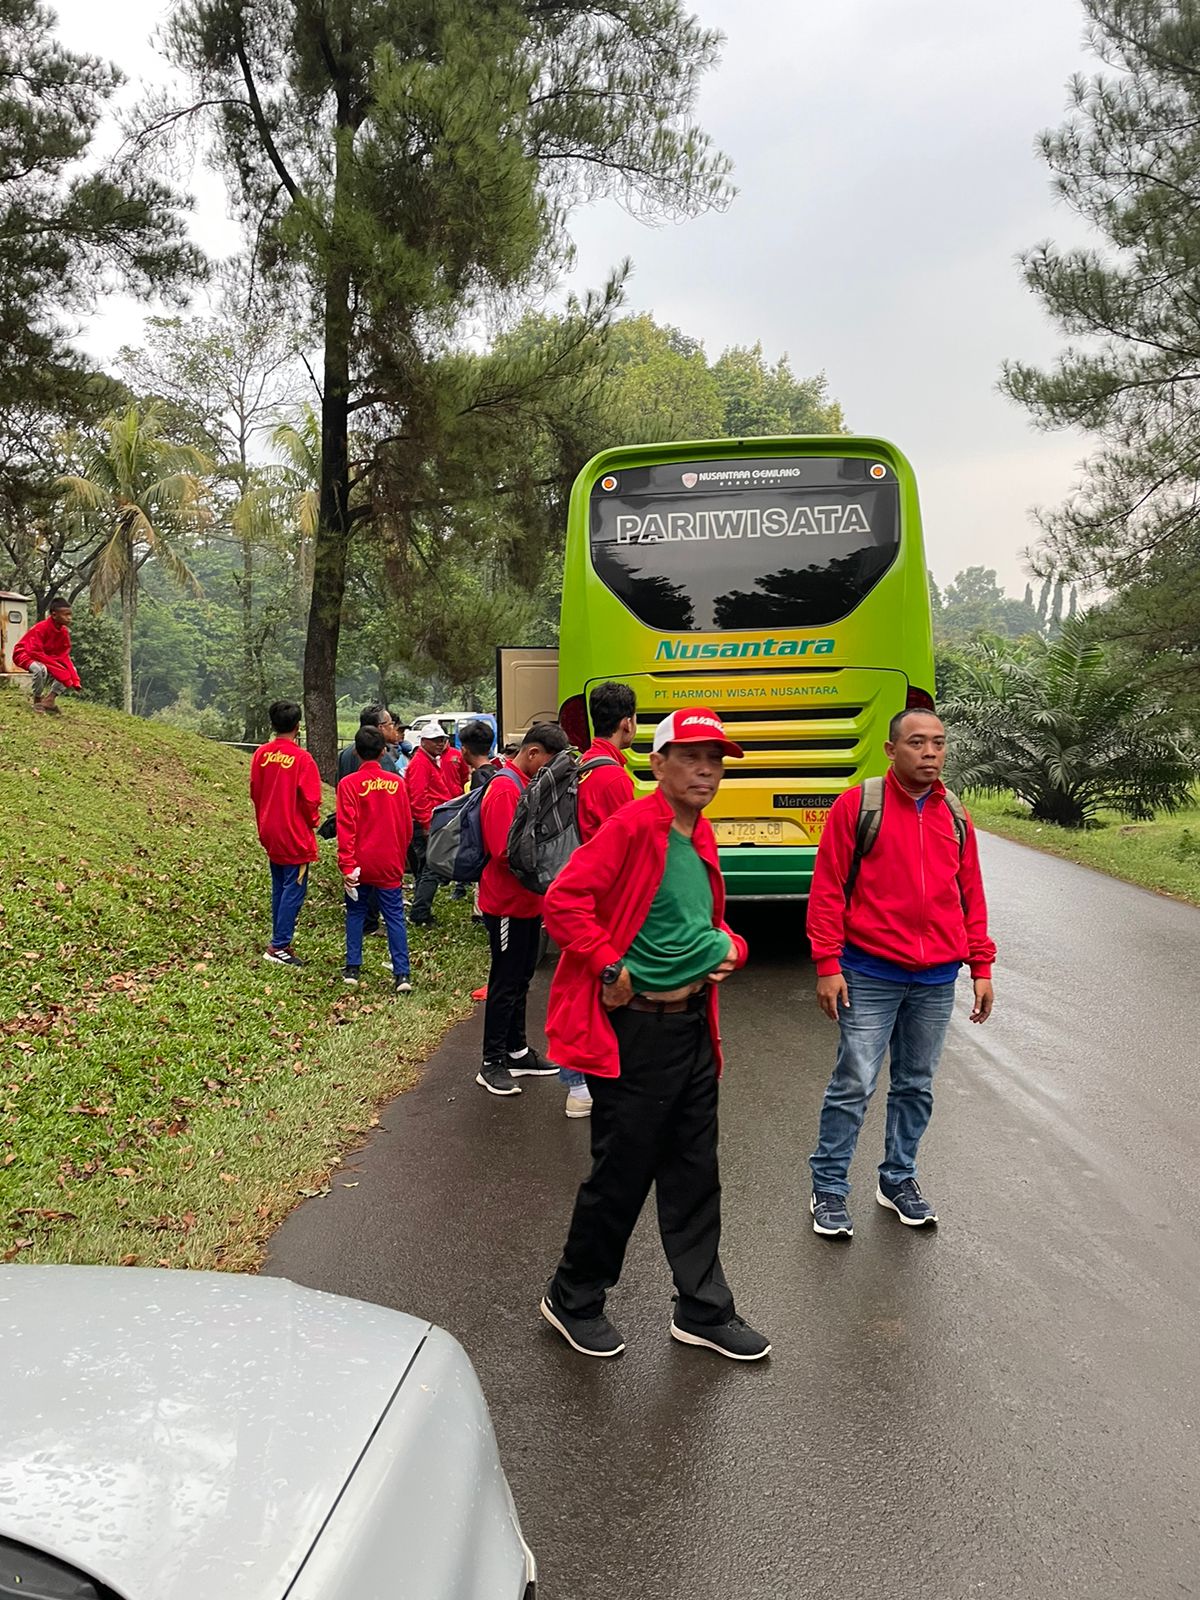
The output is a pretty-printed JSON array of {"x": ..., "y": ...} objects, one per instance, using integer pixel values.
[
  {"x": 975, "y": 604},
  {"x": 142, "y": 494},
  {"x": 1128, "y": 162},
  {"x": 658, "y": 386},
  {"x": 759, "y": 399},
  {"x": 69, "y": 231},
  {"x": 1067, "y": 730},
  {"x": 406, "y": 165}
]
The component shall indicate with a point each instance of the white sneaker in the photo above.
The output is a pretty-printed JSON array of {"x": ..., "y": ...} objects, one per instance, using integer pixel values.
[{"x": 579, "y": 1100}]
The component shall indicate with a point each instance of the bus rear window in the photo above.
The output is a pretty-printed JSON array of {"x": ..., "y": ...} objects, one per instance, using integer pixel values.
[{"x": 730, "y": 546}]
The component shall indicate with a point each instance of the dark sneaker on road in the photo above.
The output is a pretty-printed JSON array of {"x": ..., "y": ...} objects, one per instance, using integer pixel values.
[
  {"x": 831, "y": 1215},
  {"x": 281, "y": 958},
  {"x": 351, "y": 975},
  {"x": 735, "y": 1338},
  {"x": 907, "y": 1201},
  {"x": 531, "y": 1065},
  {"x": 591, "y": 1336},
  {"x": 495, "y": 1077},
  {"x": 404, "y": 984}
]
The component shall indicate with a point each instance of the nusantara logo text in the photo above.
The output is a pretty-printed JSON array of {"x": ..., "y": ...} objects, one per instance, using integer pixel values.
[{"x": 773, "y": 649}]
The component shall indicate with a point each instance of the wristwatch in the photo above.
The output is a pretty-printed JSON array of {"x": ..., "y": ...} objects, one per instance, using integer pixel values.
[{"x": 611, "y": 973}]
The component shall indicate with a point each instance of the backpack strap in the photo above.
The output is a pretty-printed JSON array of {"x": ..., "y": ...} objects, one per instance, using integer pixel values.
[
  {"x": 596, "y": 761},
  {"x": 870, "y": 817},
  {"x": 959, "y": 814}
]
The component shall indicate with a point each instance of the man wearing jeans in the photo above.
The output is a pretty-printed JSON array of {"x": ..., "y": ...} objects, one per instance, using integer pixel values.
[
  {"x": 285, "y": 789},
  {"x": 374, "y": 831},
  {"x": 891, "y": 919}
]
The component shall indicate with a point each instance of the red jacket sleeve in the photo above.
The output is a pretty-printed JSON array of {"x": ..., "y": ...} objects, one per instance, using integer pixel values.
[
  {"x": 981, "y": 948},
  {"x": 308, "y": 791},
  {"x": 827, "y": 896},
  {"x": 496, "y": 812},
  {"x": 571, "y": 901},
  {"x": 347, "y": 824},
  {"x": 406, "y": 821}
]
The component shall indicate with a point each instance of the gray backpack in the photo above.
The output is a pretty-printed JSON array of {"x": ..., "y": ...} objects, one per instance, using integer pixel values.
[
  {"x": 545, "y": 827},
  {"x": 870, "y": 817}
]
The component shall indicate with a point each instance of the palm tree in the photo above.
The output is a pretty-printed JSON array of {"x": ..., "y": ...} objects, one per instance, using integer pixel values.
[
  {"x": 1067, "y": 731},
  {"x": 141, "y": 493}
]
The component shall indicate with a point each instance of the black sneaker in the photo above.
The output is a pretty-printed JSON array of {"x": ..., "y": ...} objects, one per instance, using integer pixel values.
[
  {"x": 907, "y": 1201},
  {"x": 351, "y": 975},
  {"x": 495, "y": 1077},
  {"x": 404, "y": 984},
  {"x": 591, "y": 1336},
  {"x": 281, "y": 958},
  {"x": 735, "y": 1338},
  {"x": 831, "y": 1215},
  {"x": 532, "y": 1065}
]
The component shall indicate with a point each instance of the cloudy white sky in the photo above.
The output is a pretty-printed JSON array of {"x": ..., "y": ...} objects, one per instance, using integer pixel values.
[{"x": 887, "y": 180}]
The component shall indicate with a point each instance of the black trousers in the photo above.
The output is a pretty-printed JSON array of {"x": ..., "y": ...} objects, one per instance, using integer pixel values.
[
  {"x": 514, "y": 942},
  {"x": 656, "y": 1123},
  {"x": 425, "y": 884}
]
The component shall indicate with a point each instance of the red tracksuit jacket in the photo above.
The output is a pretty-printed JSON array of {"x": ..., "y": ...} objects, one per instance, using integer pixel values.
[
  {"x": 51, "y": 645},
  {"x": 594, "y": 909},
  {"x": 427, "y": 786},
  {"x": 500, "y": 895},
  {"x": 374, "y": 825},
  {"x": 603, "y": 791},
  {"x": 285, "y": 787},
  {"x": 915, "y": 902},
  {"x": 455, "y": 770}
]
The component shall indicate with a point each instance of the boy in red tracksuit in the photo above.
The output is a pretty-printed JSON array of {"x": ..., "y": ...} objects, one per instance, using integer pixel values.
[
  {"x": 512, "y": 916},
  {"x": 44, "y": 652},
  {"x": 285, "y": 788},
  {"x": 374, "y": 831},
  {"x": 888, "y": 944},
  {"x": 612, "y": 710},
  {"x": 428, "y": 787},
  {"x": 639, "y": 915}
]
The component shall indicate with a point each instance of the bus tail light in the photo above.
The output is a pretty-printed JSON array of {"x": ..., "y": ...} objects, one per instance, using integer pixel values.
[
  {"x": 572, "y": 718},
  {"x": 918, "y": 700}
]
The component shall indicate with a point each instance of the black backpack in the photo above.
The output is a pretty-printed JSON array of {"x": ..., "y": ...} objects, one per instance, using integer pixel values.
[
  {"x": 870, "y": 818},
  {"x": 545, "y": 826}
]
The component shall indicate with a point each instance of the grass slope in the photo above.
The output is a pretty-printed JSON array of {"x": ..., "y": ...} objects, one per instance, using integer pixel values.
[
  {"x": 1163, "y": 855},
  {"x": 165, "y": 1097}
]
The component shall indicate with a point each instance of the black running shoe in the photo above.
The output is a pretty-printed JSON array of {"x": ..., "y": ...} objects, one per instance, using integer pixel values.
[
  {"x": 735, "y": 1338},
  {"x": 495, "y": 1077},
  {"x": 531, "y": 1065},
  {"x": 403, "y": 984},
  {"x": 831, "y": 1215},
  {"x": 281, "y": 958},
  {"x": 351, "y": 975},
  {"x": 907, "y": 1201},
  {"x": 591, "y": 1336}
]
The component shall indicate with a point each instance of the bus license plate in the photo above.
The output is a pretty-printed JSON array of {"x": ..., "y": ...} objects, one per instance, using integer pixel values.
[{"x": 766, "y": 831}]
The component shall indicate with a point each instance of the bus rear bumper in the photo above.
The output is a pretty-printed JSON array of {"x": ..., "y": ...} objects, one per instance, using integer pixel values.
[{"x": 767, "y": 872}]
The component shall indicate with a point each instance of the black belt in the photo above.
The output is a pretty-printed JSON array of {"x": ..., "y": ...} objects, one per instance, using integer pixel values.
[{"x": 669, "y": 1008}]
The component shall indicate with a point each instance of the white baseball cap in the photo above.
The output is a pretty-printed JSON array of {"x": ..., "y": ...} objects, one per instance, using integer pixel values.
[
  {"x": 694, "y": 725},
  {"x": 428, "y": 728}
]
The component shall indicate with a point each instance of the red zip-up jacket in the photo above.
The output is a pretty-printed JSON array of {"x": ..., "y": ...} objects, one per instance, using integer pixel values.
[
  {"x": 427, "y": 786},
  {"x": 50, "y": 644},
  {"x": 285, "y": 787},
  {"x": 374, "y": 825},
  {"x": 602, "y": 791},
  {"x": 594, "y": 911},
  {"x": 500, "y": 895},
  {"x": 915, "y": 903},
  {"x": 455, "y": 770}
]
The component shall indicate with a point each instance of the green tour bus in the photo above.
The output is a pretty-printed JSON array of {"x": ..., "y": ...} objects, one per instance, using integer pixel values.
[{"x": 780, "y": 581}]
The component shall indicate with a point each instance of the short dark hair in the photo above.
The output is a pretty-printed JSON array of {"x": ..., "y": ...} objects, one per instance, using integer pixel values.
[
  {"x": 369, "y": 744},
  {"x": 549, "y": 735},
  {"x": 609, "y": 705},
  {"x": 284, "y": 715},
  {"x": 58, "y": 604},
  {"x": 896, "y": 725},
  {"x": 476, "y": 738},
  {"x": 371, "y": 716}
]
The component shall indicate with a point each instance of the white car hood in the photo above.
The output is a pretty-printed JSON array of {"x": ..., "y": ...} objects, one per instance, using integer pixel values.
[{"x": 185, "y": 1434}]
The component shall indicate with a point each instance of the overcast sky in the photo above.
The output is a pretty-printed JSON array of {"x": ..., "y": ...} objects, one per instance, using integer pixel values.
[{"x": 884, "y": 157}]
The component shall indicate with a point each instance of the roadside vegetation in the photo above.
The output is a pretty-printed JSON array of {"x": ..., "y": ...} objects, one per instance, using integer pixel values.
[{"x": 165, "y": 1097}]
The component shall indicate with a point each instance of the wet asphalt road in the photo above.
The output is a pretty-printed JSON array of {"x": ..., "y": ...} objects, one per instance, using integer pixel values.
[{"x": 1006, "y": 1407}]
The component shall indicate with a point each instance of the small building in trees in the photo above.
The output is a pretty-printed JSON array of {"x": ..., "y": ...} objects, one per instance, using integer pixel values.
[{"x": 14, "y": 624}]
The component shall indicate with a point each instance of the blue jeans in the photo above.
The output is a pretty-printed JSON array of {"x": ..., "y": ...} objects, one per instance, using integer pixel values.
[
  {"x": 570, "y": 1077},
  {"x": 391, "y": 909},
  {"x": 289, "y": 885},
  {"x": 911, "y": 1019}
]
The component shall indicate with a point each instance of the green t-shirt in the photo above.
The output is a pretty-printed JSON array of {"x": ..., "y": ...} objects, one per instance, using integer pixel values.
[{"x": 677, "y": 943}]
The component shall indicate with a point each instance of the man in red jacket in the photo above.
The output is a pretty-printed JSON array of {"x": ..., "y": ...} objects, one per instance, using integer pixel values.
[
  {"x": 638, "y": 914},
  {"x": 285, "y": 787},
  {"x": 612, "y": 710},
  {"x": 427, "y": 788},
  {"x": 512, "y": 916},
  {"x": 888, "y": 943},
  {"x": 44, "y": 652},
  {"x": 374, "y": 831}
]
